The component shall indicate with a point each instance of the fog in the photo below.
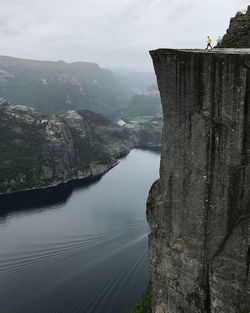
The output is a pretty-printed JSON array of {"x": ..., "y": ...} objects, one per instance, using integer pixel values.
[{"x": 109, "y": 32}]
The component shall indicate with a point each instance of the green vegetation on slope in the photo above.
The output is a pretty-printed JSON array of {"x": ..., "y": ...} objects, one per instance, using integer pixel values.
[
  {"x": 90, "y": 149},
  {"x": 39, "y": 151},
  {"x": 20, "y": 154},
  {"x": 55, "y": 87},
  {"x": 139, "y": 119},
  {"x": 85, "y": 153},
  {"x": 144, "y": 304},
  {"x": 243, "y": 309},
  {"x": 237, "y": 35}
]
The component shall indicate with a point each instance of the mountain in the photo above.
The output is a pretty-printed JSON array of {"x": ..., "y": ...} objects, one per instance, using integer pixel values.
[
  {"x": 238, "y": 33},
  {"x": 134, "y": 81},
  {"x": 39, "y": 151},
  {"x": 148, "y": 103},
  {"x": 147, "y": 134},
  {"x": 55, "y": 87}
]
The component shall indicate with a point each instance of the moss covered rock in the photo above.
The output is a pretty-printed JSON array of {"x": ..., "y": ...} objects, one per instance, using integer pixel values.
[{"x": 238, "y": 33}]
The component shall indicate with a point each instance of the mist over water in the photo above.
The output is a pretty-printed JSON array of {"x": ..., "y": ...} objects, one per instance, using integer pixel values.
[{"x": 78, "y": 248}]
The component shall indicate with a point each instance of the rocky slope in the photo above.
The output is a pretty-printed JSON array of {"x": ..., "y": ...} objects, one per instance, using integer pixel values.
[
  {"x": 38, "y": 151},
  {"x": 199, "y": 209},
  {"x": 238, "y": 33},
  {"x": 55, "y": 87},
  {"x": 146, "y": 134},
  {"x": 148, "y": 103}
]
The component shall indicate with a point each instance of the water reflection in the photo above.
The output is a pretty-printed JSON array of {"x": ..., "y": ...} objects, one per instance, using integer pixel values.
[
  {"x": 44, "y": 199},
  {"x": 80, "y": 247}
]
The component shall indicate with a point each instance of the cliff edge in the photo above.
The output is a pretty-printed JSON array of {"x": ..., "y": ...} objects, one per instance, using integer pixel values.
[{"x": 198, "y": 211}]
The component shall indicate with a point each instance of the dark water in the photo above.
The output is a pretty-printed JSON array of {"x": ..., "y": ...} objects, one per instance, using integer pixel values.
[{"x": 80, "y": 247}]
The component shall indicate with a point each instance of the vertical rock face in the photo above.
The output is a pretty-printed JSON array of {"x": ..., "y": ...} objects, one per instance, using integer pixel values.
[{"x": 198, "y": 211}]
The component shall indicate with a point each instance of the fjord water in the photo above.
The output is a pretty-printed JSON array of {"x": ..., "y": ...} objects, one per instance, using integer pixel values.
[{"x": 79, "y": 247}]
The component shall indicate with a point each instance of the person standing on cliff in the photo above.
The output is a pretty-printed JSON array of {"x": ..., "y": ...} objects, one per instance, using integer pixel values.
[{"x": 209, "y": 43}]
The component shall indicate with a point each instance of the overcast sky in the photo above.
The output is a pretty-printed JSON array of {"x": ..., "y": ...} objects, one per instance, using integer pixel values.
[{"x": 112, "y": 33}]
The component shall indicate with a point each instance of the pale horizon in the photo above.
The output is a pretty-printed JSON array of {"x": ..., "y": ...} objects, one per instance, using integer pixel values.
[{"x": 111, "y": 34}]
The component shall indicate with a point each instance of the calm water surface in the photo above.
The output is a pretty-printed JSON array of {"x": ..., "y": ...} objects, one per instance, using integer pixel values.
[{"x": 78, "y": 248}]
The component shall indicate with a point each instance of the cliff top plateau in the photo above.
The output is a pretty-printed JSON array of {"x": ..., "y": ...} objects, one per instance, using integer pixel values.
[{"x": 243, "y": 51}]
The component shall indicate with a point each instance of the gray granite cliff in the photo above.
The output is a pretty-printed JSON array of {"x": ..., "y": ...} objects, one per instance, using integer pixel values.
[{"x": 198, "y": 211}]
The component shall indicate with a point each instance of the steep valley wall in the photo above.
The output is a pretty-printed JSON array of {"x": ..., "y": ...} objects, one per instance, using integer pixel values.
[
  {"x": 198, "y": 211},
  {"x": 38, "y": 151}
]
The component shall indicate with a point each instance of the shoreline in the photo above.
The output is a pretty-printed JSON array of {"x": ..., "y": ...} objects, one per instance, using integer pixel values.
[
  {"x": 89, "y": 178},
  {"x": 82, "y": 179}
]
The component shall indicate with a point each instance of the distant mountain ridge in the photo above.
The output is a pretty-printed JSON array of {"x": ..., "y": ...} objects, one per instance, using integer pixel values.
[
  {"x": 135, "y": 81},
  {"x": 148, "y": 103},
  {"x": 54, "y": 87}
]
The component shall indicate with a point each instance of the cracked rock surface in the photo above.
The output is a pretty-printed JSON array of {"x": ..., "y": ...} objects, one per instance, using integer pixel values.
[{"x": 198, "y": 211}]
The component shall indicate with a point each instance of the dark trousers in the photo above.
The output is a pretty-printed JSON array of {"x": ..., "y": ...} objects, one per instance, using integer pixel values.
[{"x": 209, "y": 45}]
